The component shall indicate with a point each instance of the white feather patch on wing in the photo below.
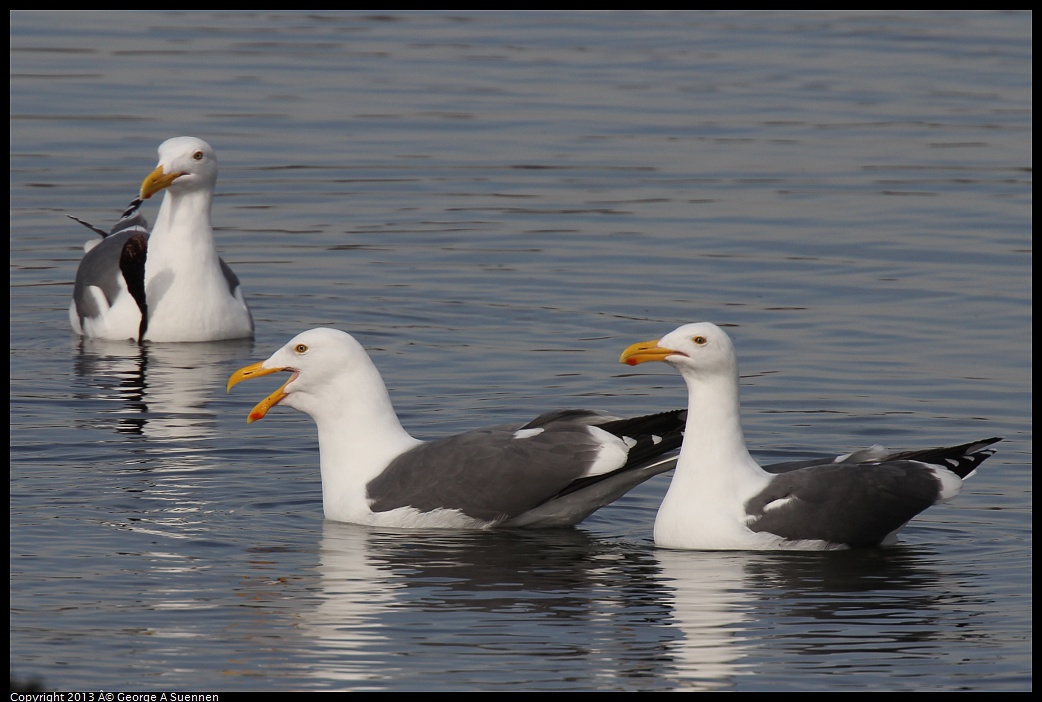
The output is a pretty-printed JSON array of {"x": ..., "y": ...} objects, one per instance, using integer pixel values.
[
  {"x": 751, "y": 519},
  {"x": 412, "y": 518},
  {"x": 865, "y": 455},
  {"x": 951, "y": 484},
  {"x": 612, "y": 453}
]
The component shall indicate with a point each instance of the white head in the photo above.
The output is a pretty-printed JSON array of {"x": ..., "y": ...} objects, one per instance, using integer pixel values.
[
  {"x": 329, "y": 369},
  {"x": 700, "y": 350},
  {"x": 334, "y": 381},
  {"x": 185, "y": 164}
]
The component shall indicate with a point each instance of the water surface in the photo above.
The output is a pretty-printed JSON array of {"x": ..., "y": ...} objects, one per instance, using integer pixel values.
[{"x": 496, "y": 204}]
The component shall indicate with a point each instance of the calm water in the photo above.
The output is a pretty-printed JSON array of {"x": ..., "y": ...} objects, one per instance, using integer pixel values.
[{"x": 497, "y": 204}]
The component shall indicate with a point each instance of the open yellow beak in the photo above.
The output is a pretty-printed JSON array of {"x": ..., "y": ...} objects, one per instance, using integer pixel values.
[
  {"x": 157, "y": 180},
  {"x": 256, "y": 370},
  {"x": 644, "y": 351}
]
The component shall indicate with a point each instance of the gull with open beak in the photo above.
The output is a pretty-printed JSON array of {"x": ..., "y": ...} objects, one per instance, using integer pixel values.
[{"x": 553, "y": 471}]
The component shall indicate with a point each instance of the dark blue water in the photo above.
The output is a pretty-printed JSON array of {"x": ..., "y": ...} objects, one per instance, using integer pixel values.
[{"x": 497, "y": 204}]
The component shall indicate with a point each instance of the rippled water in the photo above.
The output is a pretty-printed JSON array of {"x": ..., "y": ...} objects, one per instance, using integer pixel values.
[{"x": 496, "y": 204}]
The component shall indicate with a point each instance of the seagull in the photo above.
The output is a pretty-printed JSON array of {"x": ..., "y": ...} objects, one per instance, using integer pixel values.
[
  {"x": 553, "y": 471},
  {"x": 721, "y": 499},
  {"x": 169, "y": 285}
]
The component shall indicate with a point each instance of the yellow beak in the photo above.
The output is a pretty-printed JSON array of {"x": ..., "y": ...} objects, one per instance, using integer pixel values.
[
  {"x": 644, "y": 351},
  {"x": 157, "y": 180},
  {"x": 255, "y": 371}
]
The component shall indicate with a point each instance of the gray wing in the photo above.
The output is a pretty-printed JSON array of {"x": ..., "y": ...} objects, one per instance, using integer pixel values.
[
  {"x": 487, "y": 474},
  {"x": 859, "y": 503},
  {"x": 100, "y": 266},
  {"x": 105, "y": 265},
  {"x": 501, "y": 472},
  {"x": 853, "y": 504}
]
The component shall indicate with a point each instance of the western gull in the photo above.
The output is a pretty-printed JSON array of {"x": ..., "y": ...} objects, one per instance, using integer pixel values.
[
  {"x": 551, "y": 472},
  {"x": 720, "y": 499},
  {"x": 169, "y": 285}
]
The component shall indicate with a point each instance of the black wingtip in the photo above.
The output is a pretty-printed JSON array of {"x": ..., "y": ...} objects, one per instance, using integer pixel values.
[
  {"x": 983, "y": 443},
  {"x": 130, "y": 211},
  {"x": 88, "y": 225},
  {"x": 964, "y": 459},
  {"x": 133, "y": 207}
]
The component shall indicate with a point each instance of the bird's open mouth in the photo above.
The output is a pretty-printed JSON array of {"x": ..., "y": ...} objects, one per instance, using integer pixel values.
[{"x": 257, "y": 370}]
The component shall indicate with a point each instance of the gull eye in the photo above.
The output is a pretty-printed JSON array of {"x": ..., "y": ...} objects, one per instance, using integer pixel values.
[
  {"x": 198, "y": 155},
  {"x": 700, "y": 340},
  {"x": 301, "y": 348}
]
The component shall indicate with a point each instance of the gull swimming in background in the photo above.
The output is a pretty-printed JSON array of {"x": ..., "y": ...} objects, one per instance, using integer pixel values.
[
  {"x": 169, "y": 285},
  {"x": 551, "y": 472},
  {"x": 721, "y": 499}
]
